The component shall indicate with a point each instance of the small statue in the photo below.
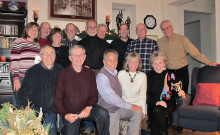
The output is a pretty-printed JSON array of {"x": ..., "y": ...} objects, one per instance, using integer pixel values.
[
  {"x": 128, "y": 22},
  {"x": 119, "y": 20}
]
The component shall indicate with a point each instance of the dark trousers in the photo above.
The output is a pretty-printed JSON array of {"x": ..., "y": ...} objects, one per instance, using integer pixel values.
[
  {"x": 98, "y": 114},
  {"x": 182, "y": 75},
  {"x": 159, "y": 118}
]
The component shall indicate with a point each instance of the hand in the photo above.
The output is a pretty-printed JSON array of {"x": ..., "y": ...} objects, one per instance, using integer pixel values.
[
  {"x": 182, "y": 94},
  {"x": 85, "y": 112},
  {"x": 162, "y": 103},
  {"x": 213, "y": 64},
  {"x": 136, "y": 108},
  {"x": 143, "y": 116},
  {"x": 71, "y": 117},
  {"x": 17, "y": 85},
  {"x": 87, "y": 66}
]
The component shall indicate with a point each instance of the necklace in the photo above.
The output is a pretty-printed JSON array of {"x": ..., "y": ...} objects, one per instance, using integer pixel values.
[{"x": 132, "y": 78}]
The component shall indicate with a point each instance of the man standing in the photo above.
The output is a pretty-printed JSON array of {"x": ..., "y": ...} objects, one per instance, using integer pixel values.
[
  {"x": 76, "y": 96},
  {"x": 143, "y": 45},
  {"x": 120, "y": 45},
  {"x": 102, "y": 29},
  {"x": 44, "y": 33},
  {"x": 176, "y": 47},
  {"x": 71, "y": 32},
  {"x": 110, "y": 97},
  {"x": 94, "y": 46},
  {"x": 38, "y": 86}
]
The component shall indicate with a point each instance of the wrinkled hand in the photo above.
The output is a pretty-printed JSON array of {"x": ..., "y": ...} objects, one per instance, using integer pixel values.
[
  {"x": 182, "y": 94},
  {"x": 136, "y": 108},
  {"x": 71, "y": 117},
  {"x": 85, "y": 112},
  {"x": 213, "y": 64},
  {"x": 162, "y": 103},
  {"x": 17, "y": 85}
]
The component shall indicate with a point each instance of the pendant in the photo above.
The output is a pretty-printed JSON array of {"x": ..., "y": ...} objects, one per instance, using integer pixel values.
[{"x": 132, "y": 80}]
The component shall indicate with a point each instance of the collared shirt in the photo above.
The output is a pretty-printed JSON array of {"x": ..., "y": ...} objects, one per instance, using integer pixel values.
[
  {"x": 106, "y": 91},
  {"x": 145, "y": 48},
  {"x": 69, "y": 43}
]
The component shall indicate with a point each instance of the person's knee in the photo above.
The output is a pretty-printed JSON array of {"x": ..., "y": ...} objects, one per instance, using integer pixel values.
[{"x": 102, "y": 113}]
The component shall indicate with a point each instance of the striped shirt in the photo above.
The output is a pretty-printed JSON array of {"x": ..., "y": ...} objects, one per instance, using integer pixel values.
[
  {"x": 144, "y": 48},
  {"x": 23, "y": 53}
]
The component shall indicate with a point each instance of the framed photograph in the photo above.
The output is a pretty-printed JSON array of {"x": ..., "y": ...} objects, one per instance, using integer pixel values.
[
  {"x": 73, "y": 9},
  {"x": 154, "y": 37}
]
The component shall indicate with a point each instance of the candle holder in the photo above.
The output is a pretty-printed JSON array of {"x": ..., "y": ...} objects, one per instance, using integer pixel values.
[
  {"x": 107, "y": 22},
  {"x": 35, "y": 15}
]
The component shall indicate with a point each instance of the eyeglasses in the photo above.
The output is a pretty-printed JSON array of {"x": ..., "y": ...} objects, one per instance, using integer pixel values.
[
  {"x": 78, "y": 55},
  {"x": 140, "y": 29},
  {"x": 48, "y": 54},
  {"x": 124, "y": 29},
  {"x": 163, "y": 29}
]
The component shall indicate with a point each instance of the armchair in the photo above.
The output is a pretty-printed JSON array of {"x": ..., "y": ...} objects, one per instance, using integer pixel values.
[{"x": 203, "y": 113}]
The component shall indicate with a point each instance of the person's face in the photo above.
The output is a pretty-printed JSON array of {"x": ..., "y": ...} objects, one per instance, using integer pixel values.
[
  {"x": 33, "y": 32},
  {"x": 77, "y": 57},
  {"x": 158, "y": 64},
  {"x": 123, "y": 32},
  {"x": 48, "y": 56},
  {"x": 91, "y": 28},
  {"x": 45, "y": 30},
  {"x": 71, "y": 31},
  {"x": 101, "y": 32},
  {"x": 57, "y": 38},
  {"x": 133, "y": 64},
  {"x": 141, "y": 31},
  {"x": 167, "y": 30},
  {"x": 111, "y": 61}
]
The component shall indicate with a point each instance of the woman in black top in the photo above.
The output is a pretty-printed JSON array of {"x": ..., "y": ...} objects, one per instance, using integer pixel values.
[
  {"x": 62, "y": 52},
  {"x": 161, "y": 95}
]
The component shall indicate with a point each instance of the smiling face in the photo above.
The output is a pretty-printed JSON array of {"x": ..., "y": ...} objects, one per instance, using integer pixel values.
[
  {"x": 71, "y": 31},
  {"x": 77, "y": 57},
  {"x": 133, "y": 64},
  {"x": 123, "y": 32},
  {"x": 57, "y": 38},
  {"x": 111, "y": 61},
  {"x": 91, "y": 28},
  {"x": 48, "y": 56},
  {"x": 32, "y": 33},
  {"x": 45, "y": 30},
  {"x": 167, "y": 29},
  {"x": 141, "y": 31},
  {"x": 158, "y": 64},
  {"x": 101, "y": 32}
]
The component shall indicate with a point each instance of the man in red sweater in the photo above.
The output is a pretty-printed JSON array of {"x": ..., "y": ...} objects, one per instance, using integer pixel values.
[
  {"x": 76, "y": 96},
  {"x": 44, "y": 33}
]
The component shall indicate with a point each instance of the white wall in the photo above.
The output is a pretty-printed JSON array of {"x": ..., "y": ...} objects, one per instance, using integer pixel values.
[{"x": 217, "y": 22}]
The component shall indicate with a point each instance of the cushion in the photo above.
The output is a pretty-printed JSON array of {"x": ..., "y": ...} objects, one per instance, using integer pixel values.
[{"x": 207, "y": 94}]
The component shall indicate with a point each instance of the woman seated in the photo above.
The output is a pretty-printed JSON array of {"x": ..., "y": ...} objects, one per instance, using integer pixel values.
[
  {"x": 134, "y": 82},
  {"x": 161, "y": 94}
]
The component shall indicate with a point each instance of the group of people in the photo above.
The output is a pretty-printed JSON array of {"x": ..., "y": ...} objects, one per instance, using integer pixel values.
[{"x": 79, "y": 80}]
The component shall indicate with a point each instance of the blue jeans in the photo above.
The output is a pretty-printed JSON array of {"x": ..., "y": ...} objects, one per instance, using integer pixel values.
[
  {"x": 52, "y": 120},
  {"x": 98, "y": 114}
]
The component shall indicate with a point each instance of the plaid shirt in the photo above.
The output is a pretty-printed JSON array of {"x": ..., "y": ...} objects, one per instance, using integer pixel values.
[{"x": 145, "y": 48}]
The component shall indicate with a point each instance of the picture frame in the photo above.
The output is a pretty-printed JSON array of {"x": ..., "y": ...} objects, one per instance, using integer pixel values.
[{"x": 73, "y": 9}]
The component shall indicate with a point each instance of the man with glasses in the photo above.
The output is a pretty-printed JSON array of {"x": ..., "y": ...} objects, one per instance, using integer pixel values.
[
  {"x": 144, "y": 46},
  {"x": 176, "y": 47},
  {"x": 120, "y": 44},
  {"x": 94, "y": 46},
  {"x": 71, "y": 32},
  {"x": 39, "y": 84},
  {"x": 76, "y": 96}
]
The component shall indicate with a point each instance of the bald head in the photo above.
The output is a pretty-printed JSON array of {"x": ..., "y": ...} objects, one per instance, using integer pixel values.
[
  {"x": 44, "y": 30},
  {"x": 141, "y": 31}
]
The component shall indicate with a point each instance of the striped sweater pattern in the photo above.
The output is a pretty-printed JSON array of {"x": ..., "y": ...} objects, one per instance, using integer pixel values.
[{"x": 23, "y": 53}]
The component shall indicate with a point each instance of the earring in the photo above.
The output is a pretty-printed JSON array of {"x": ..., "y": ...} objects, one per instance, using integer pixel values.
[{"x": 164, "y": 68}]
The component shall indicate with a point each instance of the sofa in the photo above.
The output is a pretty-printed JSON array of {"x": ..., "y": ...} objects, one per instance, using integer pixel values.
[{"x": 203, "y": 112}]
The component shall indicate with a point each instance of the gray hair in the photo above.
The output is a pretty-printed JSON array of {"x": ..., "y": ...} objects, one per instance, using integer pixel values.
[
  {"x": 76, "y": 47},
  {"x": 90, "y": 20},
  {"x": 41, "y": 49},
  {"x": 102, "y": 24},
  {"x": 108, "y": 51},
  {"x": 157, "y": 54},
  {"x": 165, "y": 21}
]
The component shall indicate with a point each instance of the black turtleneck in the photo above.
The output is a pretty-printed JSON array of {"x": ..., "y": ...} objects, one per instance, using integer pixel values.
[{"x": 95, "y": 48}]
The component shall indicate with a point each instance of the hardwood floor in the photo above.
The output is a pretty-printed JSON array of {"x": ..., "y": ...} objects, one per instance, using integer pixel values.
[{"x": 190, "y": 132}]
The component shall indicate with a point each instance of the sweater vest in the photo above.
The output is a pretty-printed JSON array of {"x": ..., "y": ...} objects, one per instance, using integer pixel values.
[{"x": 115, "y": 85}]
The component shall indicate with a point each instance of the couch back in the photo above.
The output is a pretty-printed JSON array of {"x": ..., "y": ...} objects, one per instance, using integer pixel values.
[{"x": 206, "y": 74}]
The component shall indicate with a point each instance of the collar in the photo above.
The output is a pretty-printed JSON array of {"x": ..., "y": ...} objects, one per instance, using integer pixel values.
[
  {"x": 44, "y": 66},
  {"x": 110, "y": 72}
]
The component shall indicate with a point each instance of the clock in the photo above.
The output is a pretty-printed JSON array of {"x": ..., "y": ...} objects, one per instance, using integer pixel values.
[{"x": 150, "y": 21}]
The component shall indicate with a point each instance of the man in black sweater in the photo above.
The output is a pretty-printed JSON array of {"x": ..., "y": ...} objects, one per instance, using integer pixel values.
[
  {"x": 94, "y": 46},
  {"x": 39, "y": 84}
]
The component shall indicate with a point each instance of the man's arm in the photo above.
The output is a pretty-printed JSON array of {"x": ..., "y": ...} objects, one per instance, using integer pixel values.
[{"x": 108, "y": 94}]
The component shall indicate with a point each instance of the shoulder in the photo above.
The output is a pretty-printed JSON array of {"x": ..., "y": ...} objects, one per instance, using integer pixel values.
[
  {"x": 58, "y": 67},
  {"x": 88, "y": 71},
  {"x": 121, "y": 73}
]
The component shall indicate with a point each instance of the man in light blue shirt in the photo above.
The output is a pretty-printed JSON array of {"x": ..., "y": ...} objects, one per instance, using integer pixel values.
[{"x": 110, "y": 97}]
